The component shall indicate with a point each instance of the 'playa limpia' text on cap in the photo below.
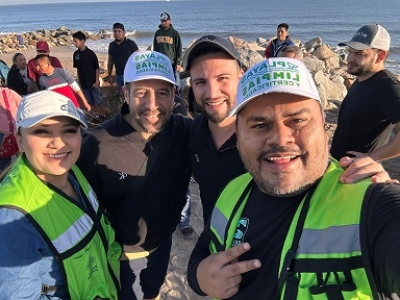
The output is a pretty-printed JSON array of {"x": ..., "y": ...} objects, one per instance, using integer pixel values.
[
  {"x": 275, "y": 75},
  {"x": 143, "y": 65}
]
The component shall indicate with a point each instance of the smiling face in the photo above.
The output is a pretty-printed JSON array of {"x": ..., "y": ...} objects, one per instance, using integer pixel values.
[
  {"x": 150, "y": 104},
  {"x": 282, "y": 142},
  {"x": 214, "y": 80},
  {"x": 52, "y": 146}
]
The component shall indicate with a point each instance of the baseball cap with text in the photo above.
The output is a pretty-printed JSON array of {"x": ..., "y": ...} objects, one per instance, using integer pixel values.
[
  {"x": 369, "y": 36},
  {"x": 209, "y": 42},
  {"x": 165, "y": 16},
  {"x": 42, "y": 105},
  {"x": 42, "y": 46},
  {"x": 143, "y": 65},
  {"x": 275, "y": 75}
]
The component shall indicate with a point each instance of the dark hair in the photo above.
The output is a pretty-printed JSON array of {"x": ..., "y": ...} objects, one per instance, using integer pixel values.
[
  {"x": 79, "y": 35},
  {"x": 14, "y": 58},
  {"x": 41, "y": 57},
  {"x": 119, "y": 26},
  {"x": 284, "y": 25}
]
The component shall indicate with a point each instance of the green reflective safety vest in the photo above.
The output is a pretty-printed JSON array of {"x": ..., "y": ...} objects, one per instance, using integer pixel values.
[
  {"x": 328, "y": 263},
  {"x": 82, "y": 242}
]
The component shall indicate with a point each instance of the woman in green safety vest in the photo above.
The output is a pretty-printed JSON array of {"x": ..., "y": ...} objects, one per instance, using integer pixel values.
[{"x": 55, "y": 242}]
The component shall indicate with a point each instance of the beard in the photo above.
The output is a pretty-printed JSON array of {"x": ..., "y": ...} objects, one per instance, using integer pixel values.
[
  {"x": 363, "y": 70},
  {"x": 287, "y": 184},
  {"x": 215, "y": 116},
  {"x": 152, "y": 127}
]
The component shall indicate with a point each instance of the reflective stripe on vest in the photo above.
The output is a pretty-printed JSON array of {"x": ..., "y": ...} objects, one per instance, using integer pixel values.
[
  {"x": 342, "y": 239},
  {"x": 74, "y": 234},
  {"x": 219, "y": 222}
]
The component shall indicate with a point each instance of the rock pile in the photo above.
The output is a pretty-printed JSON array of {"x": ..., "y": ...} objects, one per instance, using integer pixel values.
[{"x": 327, "y": 64}]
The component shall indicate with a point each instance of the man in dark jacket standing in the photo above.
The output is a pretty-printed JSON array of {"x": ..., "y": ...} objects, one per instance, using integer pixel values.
[
  {"x": 282, "y": 40},
  {"x": 168, "y": 41}
]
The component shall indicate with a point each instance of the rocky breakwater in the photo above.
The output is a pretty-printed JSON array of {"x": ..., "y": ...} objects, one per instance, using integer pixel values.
[
  {"x": 58, "y": 37},
  {"x": 326, "y": 64}
]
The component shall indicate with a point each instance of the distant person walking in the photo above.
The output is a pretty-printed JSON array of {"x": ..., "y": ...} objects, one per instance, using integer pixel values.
[
  {"x": 41, "y": 48},
  {"x": 282, "y": 40},
  {"x": 168, "y": 41},
  {"x": 118, "y": 53},
  {"x": 87, "y": 65},
  {"x": 372, "y": 106}
]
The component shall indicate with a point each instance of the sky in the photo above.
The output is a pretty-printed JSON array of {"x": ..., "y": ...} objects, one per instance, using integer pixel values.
[{"x": 17, "y": 2}]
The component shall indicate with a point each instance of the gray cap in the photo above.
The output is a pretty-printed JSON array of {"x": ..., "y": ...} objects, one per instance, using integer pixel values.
[
  {"x": 209, "y": 42},
  {"x": 369, "y": 36}
]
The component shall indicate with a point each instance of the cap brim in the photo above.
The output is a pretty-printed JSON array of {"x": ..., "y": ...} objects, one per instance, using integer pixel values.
[
  {"x": 355, "y": 45},
  {"x": 201, "y": 45},
  {"x": 286, "y": 90},
  {"x": 33, "y": 121},
  {"x": 150, "y": 77}
]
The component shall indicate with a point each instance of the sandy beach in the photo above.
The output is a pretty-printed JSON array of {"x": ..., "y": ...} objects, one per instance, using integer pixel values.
[{"x": 175, "y": 286}]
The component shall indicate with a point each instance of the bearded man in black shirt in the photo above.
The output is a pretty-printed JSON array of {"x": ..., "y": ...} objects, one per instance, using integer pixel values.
[{"x": 288, "y": 229}]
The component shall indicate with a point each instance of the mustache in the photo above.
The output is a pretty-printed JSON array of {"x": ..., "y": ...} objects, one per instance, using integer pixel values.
[
  {"x": 152, "y": 111},
  {"x": 282, "y": 150}
]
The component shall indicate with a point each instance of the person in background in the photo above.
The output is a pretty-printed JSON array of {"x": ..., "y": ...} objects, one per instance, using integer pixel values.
[
  {"x": 282, "y": 40},
  {"x": 60, "y": 81},
  {"x": 9, "y": 102},
  {"x": 42, "y": 48},
  {"x": 118, "y": 53},
  {"x": 55, "y": 241},
  {"x": 87, "y": 64},
  {"x": 18, "y": 79},
  {"x": 290, "y": 220},
  {"x": 138, "y": 165},
  {"x": 168, "y": 41},
  {"x": 291, "y": 52},
  {"x": 371, "y": 107}
]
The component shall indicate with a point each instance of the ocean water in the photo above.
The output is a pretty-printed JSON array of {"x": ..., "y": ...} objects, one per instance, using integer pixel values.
[{"x": 334, "y": 21}]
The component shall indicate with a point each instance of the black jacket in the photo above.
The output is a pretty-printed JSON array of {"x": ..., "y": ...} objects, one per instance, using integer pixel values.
[{"x": 16, "y": 82}]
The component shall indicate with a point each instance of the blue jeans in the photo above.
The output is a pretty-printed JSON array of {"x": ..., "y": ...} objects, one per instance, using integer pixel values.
[
  {"x": 120, "y": 81},
  {"x": 186, "y": 211},
  {"x": 92, "y": 95}
]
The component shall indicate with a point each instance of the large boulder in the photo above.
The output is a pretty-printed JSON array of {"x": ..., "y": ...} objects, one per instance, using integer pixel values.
[
  {"x": 248, "y": 56},
  {"x": 313, "y": 64}
]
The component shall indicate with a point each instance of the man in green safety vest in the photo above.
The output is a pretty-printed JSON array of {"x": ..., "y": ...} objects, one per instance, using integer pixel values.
[{"x": 288, "y": 229}]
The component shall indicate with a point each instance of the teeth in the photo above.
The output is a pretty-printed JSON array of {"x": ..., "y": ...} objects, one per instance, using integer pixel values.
[
  {"x": 281, "y": 158},
  {"x": 57, "y": 155},
  {"x": 215, "y": 103}
]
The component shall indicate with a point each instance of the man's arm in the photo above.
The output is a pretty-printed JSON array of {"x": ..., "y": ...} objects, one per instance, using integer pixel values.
[
  {"x": 178, "y": 52},
  {"x": 380, "y": 229},
  {"x": 110, "y": 64},
  {"x": 390, "y": 150}
]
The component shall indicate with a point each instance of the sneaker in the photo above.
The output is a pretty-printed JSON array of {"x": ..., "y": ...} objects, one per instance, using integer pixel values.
[{"x": 187, "y": 232}]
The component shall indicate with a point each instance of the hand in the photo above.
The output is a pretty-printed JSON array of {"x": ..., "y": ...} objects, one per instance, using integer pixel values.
[
  {"x": 219, "y": 275},
  {"x": 357, "y": 154},
  {"x": 358, "y": 168},
  {"x": 179, "y": 68},
  {"x": 87, "y": 106}
]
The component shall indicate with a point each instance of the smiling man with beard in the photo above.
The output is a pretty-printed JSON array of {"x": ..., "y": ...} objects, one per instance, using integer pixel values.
[
  {"x": 138, "y": 165},
  {"x": 288, "y": 229}
]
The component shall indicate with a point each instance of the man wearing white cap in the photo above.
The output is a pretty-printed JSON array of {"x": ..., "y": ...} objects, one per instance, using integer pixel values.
[
  {"x": 372, "y": 106},
  {"x": 138, "y": 164},
  {"x": 288, "y": 229}
]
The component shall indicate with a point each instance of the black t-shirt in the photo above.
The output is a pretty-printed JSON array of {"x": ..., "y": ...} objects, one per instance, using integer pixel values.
[
  {"x": 134, "y": 178},
  {"x": 86, "y": 63},
  {"x": 212, "y": 168},
  {"x": 120, "y": 53},
  {"x": 268, "y": 222},
  {"x": 367, "y": 115}
]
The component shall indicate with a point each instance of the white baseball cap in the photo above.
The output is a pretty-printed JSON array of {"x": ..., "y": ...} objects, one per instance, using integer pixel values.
[
  {"x": 275, "y": 75},
  {"x": 369, "y": 36},
  {"x": 143, "y": 65},
  {"x": 43, "y": 105}
]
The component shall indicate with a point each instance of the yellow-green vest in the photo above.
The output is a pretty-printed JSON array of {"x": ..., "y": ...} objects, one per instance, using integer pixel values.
[
  {"x": 84, "y": 245},
  {"x": 328, "y": 263}
]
